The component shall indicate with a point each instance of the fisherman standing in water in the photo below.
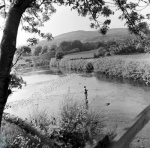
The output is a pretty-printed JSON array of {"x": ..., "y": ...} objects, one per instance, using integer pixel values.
[{"x": 86, "y": 99}]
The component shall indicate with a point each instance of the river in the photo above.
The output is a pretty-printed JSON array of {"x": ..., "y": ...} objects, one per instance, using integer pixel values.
[{"x": 119, "y": 100}]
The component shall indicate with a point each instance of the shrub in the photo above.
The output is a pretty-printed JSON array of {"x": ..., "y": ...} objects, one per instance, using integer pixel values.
[
  {"x": 77, "y": 125},
  {"x": 53, "y": 62},
  {"x": 28, "y": 60},
  {"x": 101, "y": 51},
  {"x": 59, "y": 55},
  {"x": 41, "y": 62},
  {"x": 95, "y": 55},
  {"x": 73, "y": 129}
]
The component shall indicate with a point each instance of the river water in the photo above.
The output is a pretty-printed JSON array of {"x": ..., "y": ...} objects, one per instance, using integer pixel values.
[{"x": 119, "y": 100}]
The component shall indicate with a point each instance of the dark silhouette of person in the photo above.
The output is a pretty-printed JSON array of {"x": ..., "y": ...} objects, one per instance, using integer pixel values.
[{"x": 86, "y": 94}]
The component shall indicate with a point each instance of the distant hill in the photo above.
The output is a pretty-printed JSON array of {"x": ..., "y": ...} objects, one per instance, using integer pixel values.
[{"x": 88, "y": 36}]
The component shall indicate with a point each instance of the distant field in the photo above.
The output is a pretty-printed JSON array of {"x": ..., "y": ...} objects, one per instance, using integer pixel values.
[
  {"x": 143, "y": 56},
  {"x": 89, "y": 54},
  {"x": 85, "y": 54}
]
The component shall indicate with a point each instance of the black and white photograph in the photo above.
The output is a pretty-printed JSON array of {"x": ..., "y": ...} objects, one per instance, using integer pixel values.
[{"x": 74, "y": 73}]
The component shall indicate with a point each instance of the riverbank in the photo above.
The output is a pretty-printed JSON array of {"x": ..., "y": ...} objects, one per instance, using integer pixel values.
[{"x": 137, "y": 69}]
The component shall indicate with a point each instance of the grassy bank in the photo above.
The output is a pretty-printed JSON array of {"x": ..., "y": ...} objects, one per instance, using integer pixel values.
[
  {"x": 72, "y": 128},
  {"x": 128, "y": 68}
]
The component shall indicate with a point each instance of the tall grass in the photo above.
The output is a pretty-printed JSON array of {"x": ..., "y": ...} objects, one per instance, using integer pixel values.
[
  {"x": 138, "y": 70},
  {"x": 130, "y": 69},
  {"x": 53, "y": 63},
  {"x": 77, "y": 65},
  {"x": 77, "y": 125}
]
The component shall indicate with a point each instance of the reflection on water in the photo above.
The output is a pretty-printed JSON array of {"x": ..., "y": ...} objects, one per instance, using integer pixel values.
[{"x": 111, "y": 79}]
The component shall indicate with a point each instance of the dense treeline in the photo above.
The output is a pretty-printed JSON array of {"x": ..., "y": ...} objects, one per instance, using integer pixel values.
[
  {"x": 121, "y": 47},
  {"x": 67, "y": 47},
  {"x": 104, "y": 48}
]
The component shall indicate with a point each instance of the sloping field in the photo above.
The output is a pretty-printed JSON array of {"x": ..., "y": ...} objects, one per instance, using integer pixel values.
[
  {"x": 85, "y": 54},
  {"x": 89, "y": 54}
]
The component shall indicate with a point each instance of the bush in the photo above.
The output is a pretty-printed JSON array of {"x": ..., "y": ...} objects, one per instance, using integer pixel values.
[
  {"x": 101, "y": 51},
  {"x": 95, "y": 55},
  {"x": 77, "y": 125},
  {"x": 28, "y": 60},
  {"x": 41, "y": 62},
  {"x": 53, "y": 62},
  {"x": 73, "y": 129},
  {"x": 59, "y": 55}
]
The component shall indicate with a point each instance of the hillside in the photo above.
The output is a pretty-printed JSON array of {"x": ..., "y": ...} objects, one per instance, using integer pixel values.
[{"x": 88, "y": 36}]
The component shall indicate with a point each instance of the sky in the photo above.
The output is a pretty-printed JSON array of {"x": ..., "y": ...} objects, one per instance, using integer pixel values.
[{"x": 65, "y": 20}]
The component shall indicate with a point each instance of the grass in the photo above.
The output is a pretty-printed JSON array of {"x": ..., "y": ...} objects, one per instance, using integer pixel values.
[
  {"x": 78, "y": 65},
  {"x": 84, "y": 54},
  {"x": 135, "y": 67}
]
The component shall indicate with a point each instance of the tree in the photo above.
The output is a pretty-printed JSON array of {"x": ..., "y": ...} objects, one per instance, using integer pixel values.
[
  {"x": 35, "y": 13},
  {"x": 25, "y": 50},
  {"x": 59, "y": 55},
  {"x": 37, "y": 50},
  {"x": 53, "y": 48},
  {"x": 65, "y": 46},
  {"x": 76, "y": 44},
  {"x": 45, "y": 49}
]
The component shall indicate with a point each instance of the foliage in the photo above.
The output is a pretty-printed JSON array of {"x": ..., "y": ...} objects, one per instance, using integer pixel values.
[
  {"x": 77, "y": 65},
  {"x": 89, "y": 46},
  {"x": 76, "y": 44},
  {"x": 41, "y": 119},
  {"x": 73, "y": 50},
  {"x": 59, "y": 55},
  {"x": 39, "y": 12},
  {"x": 131, "y": 13},
  {"x": 101, "y": 51},
  {"x": 95, "y": 55},
  {"x": 16, "y": 81},
  {"x": 17, "y": 138},
  {"x": 10, "y": 132},
  {"x": 121, "y": 47},
  {"x": 76, "y": 125},
  {"x": 37, "y": 50},
  {"x": 45, "y": 49},
  {"x": 137, "y": 70},
  {"x": 47, "y": 56},
  {"x": 53, "y": 62},
  {"x": 65, "y": 46},
  {"x": 24, "y": 50}
]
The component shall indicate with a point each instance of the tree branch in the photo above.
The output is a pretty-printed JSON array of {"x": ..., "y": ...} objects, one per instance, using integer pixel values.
[{"x": 17, "y": 59}]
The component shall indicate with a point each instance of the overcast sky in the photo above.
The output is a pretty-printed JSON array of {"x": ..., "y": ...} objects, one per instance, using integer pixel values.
[{"x": 65, "y": 20}]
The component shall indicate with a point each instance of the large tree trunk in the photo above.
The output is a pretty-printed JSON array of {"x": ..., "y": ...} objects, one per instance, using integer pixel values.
[{"x": 8, "y": 48}]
